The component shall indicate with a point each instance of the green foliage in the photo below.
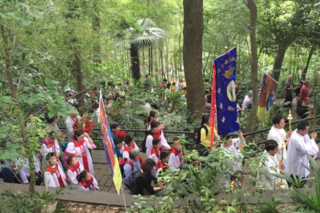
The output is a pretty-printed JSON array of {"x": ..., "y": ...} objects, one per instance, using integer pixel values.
[{"x": 25, "y": 202}]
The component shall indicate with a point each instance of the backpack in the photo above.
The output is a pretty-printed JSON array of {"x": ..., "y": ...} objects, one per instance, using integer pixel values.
[
  {"x": 196, "y": 134},
  {"x": 122, "y": 162},
  {"x": 144, "y": 142},
  {"x": 134, "y": 184}
]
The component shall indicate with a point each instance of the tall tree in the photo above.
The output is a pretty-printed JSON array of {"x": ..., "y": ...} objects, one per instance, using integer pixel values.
[
  {"x": 76, "y": 64},
  {"x": 142, "y": 33},
  {"x": 254, "y": 64},
  {"x": 192, "y": 55},
  {"x": 96, "y": 33}
]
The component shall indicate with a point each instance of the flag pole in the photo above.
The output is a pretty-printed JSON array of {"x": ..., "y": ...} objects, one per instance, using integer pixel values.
[{"x": 124, "y": 199}]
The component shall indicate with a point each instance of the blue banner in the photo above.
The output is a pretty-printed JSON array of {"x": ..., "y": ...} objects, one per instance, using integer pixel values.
[{"x": 227, "y": 116}]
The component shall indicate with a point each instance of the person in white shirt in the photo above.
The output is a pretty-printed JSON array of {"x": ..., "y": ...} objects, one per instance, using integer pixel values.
[
  {"x": 271, "y": 166},
  {"x": 247, "y": 100},
  {"x": 71, "y": 119},
  {"x": 278, "y": 134},
  {"x": 300, "y": 148},
  {"x": 24, "y": 171},
  {"x": 178, "y": 85},
  {"x": 232, "y": 149}
]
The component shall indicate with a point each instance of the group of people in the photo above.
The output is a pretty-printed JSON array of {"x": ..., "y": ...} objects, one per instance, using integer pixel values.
[{"x": 303, "y": 92}]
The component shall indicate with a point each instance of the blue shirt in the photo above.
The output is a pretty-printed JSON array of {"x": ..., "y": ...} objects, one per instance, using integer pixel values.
[
  {"x": 114, "y": 138},
  {"x": 128, "y": 170}
]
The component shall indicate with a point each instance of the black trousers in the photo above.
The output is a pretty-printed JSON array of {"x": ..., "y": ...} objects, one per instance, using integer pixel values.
[
  {"x": 297, "y": 177},
  {"x": 288, "y": 99}
]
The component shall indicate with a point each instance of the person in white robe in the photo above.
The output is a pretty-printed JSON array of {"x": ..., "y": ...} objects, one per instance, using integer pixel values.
[
  {"x": 247, "y": 100},
  {"x": 153, "y": 116},
  {"x": 23, "y": 165},
  {"x": 152, "y": 134},
  {"x": 54, "y": 175},
  {"x": 270, "y": 166},
  {"x": 175, "y": 158},
  {"x": 75, "y": 168},
  {"x": 300, "y": 148},
  {"x": 71, "y": 119},
  {"x": 232, "y": 149},
  {"x": 79, "y": 147},
  {"x": 50, "y": 145},
  {"x": 87, "y": 182},
  {"x": 129, "y": 144},
  {"x": 155, "y": 152},
  {"x": 278, "y": 134}
]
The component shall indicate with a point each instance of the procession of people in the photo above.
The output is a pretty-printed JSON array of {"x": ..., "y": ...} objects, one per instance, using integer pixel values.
[{"x": 286, "y": 152}]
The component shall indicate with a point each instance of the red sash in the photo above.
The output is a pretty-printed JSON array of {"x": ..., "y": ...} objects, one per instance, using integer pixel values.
[
  {"x": 177, "y": 153},
  {"x": 49, "y": 144},
  {"x": 75, "y": 168},
  {"x": 57, "y": 172},
  {"x": 160, "y": 165},
  {"x": 88, "y": 184},
  {"x": 157, "y": 153},
  {"x": 83, "y": 152}
]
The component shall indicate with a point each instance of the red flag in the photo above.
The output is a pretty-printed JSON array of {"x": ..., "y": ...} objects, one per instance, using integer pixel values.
[{"x": 213, "y": 103}]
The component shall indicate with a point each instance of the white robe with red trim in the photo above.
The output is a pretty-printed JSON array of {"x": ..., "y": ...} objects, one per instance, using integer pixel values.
[
  {"x": 50, "y": 147},
  {"x": 160, "y": 167},
  {"x": 162, "y": 138},
  {"x": 127, "y": 149},
  {"x": 53, "y": 177},
  {"x": 82, "y": 147},
  {"x": 73, "y": 171},
  {"x": 90, "y": 185},
  {"x": 175, "y": 158},
  {"x": 155, "y": 155}
]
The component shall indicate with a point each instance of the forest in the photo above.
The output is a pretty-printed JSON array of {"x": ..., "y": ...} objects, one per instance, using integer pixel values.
[{"x": 87, "y": 45}]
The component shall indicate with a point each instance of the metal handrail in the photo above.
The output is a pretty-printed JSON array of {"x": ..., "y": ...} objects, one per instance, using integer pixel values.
[{"x": 185, "y": 132}]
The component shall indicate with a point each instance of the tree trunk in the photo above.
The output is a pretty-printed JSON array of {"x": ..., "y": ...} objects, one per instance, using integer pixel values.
[
  {"x": 135, "y": 63},
  {"x": 254, "y": 65},
  {"x": 162, "y": 64},
  {"x": 143, "y": 59},
  {"x": 277, "y": 64},
  {"x": 167, "y": 60},
  {"x": 305, "y": 69},
  {"x": 76, "y": 62},
  {"x": 180, "y": 53},
  {"x": 156, "y": 62},
  {"x": 192, "y": 55},
  {"x": 96, "y": 34},
  {"x": 18, "y": 111}
]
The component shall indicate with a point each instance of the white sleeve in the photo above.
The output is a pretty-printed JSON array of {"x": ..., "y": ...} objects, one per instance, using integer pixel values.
[
  {"x": 49, "y": 180},
  {"x": 72, "y": 177},
  {"x": 57, "y": 147},
  {"x": 95, "y": 183},
  {"x": 155, "y": 158},
  {"x": 88, "y": 144},
  {"x": 82, "y": 188},
  {"x": 149, "y": 145},
  {"x": 81, "y": 167},
  {"x": 125, "y": 154},
  {"x": 24, "y": 174},
  {"x": 70, "y": 150},
  {"x": 44, "y": 150},
  {"x": 173, "y": 163}
]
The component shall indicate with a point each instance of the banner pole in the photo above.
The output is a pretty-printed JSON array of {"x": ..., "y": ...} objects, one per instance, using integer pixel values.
[{"x": 124, "y": 200}]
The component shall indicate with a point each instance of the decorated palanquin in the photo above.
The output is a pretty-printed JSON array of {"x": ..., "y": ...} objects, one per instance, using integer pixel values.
[{"x": 225, "y": 69}]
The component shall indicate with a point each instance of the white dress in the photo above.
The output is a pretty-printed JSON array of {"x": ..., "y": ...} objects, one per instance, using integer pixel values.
[
  {"x": 164, "y": 142},
  {"x": 127, "y": 149},
  {"x": 246, "y": 102},
  {"x": 73, "y": 171},
  {"x": 278, "y": 135},
  {"x": 82, "y": 147},
  {"x": 300, "y": 148},
  {"x": 175, "y": 159},
  {"x": 54, "y": 177},
  {"x": 90, "y": 185},
  {"x": 235, "y": 158},
  {"x": 270, "y": 167}
]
